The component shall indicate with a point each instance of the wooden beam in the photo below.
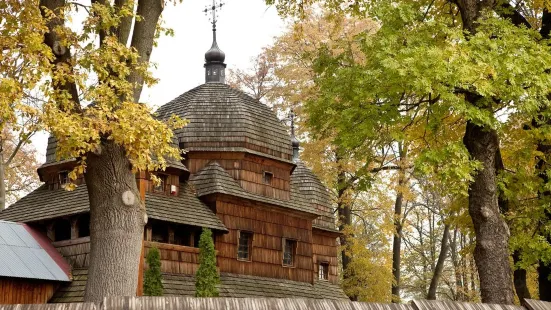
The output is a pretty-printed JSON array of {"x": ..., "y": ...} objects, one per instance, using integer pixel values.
[
  {"x": 170, "y": 234},
  {"x": 50, "y": 231},
  {"x": 74, "y": 228}
]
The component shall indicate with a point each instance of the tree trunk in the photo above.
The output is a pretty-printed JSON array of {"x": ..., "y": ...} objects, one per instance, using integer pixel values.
[
  {"x": 544, "y": 271},
  {"x": 397, "y": 239},
  {"x": 440, "y": 264},
  {"x": 492, "y": 235},
  {"x": 519, "y": 279},
  {"x": 117, "y": 218},
  {"x": 345, "y": 220}
]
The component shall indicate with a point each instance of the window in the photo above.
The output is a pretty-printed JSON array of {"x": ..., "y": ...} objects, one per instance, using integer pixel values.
[
  {"x": 289, "y": 251},
  {"x": 323, "y": 271},
  {"x": 160, "y": 188},
  {"x": 63, "y": 177},
  {"x": 244, "y": 245},
  {"x": 268, "y": 177}
]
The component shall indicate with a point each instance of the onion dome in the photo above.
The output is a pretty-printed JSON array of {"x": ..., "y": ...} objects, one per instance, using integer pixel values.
[{"x": 215, "y": 54}]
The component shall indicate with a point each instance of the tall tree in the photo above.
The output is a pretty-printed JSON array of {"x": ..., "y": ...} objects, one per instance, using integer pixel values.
[
  {"x": 92, "y": 76},
  {"x": 206, "y": 277},
  {"x": 431, "y": 51},
  {"x": 152, "y": 283}
]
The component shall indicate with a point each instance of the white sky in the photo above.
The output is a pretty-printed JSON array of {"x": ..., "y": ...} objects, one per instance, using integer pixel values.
[{"x": 244, "y": 27}]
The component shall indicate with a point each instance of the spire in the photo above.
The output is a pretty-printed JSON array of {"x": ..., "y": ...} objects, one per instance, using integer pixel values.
[
  {"x": 214, "y": 57},
  {"x": 294, "y": 141}
]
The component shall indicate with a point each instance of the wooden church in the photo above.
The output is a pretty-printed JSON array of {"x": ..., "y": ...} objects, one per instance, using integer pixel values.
[{"x": 272, "y": 218}]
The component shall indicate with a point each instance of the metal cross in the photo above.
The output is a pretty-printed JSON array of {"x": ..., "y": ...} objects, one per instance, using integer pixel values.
[{"x": 216, "y": 6}]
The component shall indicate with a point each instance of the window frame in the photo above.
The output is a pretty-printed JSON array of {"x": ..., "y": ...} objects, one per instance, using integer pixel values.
[
  {"x": 249, "y": 245},
  {"x": 265, "y": 180},
  {"x": 61, "y": 180},
  {"x": 294, "y": 243},
  {"x": 324, "y": 275},
  {"x": 164, "y": 183}
]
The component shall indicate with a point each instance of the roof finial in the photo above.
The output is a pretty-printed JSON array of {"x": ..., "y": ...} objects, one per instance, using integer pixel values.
[
  {"x": 294, "y": 141},
  {"x": 214, "y": 57}
]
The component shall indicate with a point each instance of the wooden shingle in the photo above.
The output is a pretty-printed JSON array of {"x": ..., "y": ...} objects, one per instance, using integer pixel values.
[
  {"x": 43, "y": 203},
  {"x": 213, "y": 179},
  {"x": 222, "y": 117}
]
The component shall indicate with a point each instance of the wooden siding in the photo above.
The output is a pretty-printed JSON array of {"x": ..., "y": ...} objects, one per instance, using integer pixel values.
[
  {"x": 248, "y": 170},
  {"x": 75, "y": 251},
  {"x": 269, "y": 229},
  {"x": 26, "y": 291},
  {"x": 325, "y": 250},
  {"x": 176, "y": 258}
]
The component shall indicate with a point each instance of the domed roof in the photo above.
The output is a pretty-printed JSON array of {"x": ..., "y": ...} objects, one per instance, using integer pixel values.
[
  {"x": 309, "y": 184},
  {"x": 226, "y": 119},
  {"x": 215, "y": 54}
]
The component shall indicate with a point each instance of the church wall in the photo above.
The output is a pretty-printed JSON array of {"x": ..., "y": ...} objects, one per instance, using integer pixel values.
[
  {"x": 269, "y": 228},
  {"x": 26, "y": 291},
  {"x": 248, "y": 170},
  {"x": 325, "y": 250}
]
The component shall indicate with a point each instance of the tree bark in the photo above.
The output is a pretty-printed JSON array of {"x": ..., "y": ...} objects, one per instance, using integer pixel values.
[
  {"x": 345, "y": 220},
  {"x": 492, "y": 235},
  {"x": 117, "y": 218},
  {"x": 440, "y": 264},
  {"x": 397, "y": 239},
  {"x": 143, "y": 37}
]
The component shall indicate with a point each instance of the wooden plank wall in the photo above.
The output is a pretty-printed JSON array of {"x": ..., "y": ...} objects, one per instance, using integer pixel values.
[
  {"x": 269, "y": 227},
  {"x": 75, "y": 251},
  {"x": 176, "y": 258},
  {"x": 325, "y": 249},
  {"x": 248, "y": 171},
  {"x": 247, "y": 145},
  {"x": 26, "y": 291}
]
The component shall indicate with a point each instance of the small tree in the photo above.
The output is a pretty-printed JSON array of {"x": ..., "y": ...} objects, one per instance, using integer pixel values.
[
  {"x": 152, "y": 285},
  {"x": 206, "y": 278}
]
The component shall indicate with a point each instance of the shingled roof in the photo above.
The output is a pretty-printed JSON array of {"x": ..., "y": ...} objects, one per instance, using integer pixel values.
[
  {"x": 51, "y": 158},
  {"x": 43, "y": 203},
  {"x": 231, "y": 285},
  {"x": 312, "y": 188},
  {"x": 214, "y": 179},
  {"x": 223, "y": 118}
]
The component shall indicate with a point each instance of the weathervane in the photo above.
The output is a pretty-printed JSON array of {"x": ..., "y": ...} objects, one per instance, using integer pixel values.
[{"x": 216, "y": 6}]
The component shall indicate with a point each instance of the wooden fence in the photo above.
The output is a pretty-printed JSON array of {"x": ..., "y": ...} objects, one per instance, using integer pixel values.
[{"x": 191, "y": 303}]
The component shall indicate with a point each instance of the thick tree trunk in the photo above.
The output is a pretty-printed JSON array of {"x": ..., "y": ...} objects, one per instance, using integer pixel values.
[
  {"x": 440, "y": 264},
  {"x": 492, "y": 235},
  {"x": 117, "y": 216}
]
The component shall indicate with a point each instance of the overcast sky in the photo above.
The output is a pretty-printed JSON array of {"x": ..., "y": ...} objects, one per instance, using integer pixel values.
[{"x": 244, "y": 28}]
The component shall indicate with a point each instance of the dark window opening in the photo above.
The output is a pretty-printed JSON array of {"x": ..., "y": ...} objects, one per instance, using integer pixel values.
[
  {"x": 161, "y": 187},
  {"x": 323, "y": 271},
  {"x": 289, "y": 251},
  {"x": 84, "y": 225},
  {"x": 182, "y": 235},
  {"x": 268, "y": 177},
  {"x": 62, "y": 230},
  {"x": 159, "y": 232},
  {"x": 63, "y": 177},
  {"x": 245, "y": 245}
]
